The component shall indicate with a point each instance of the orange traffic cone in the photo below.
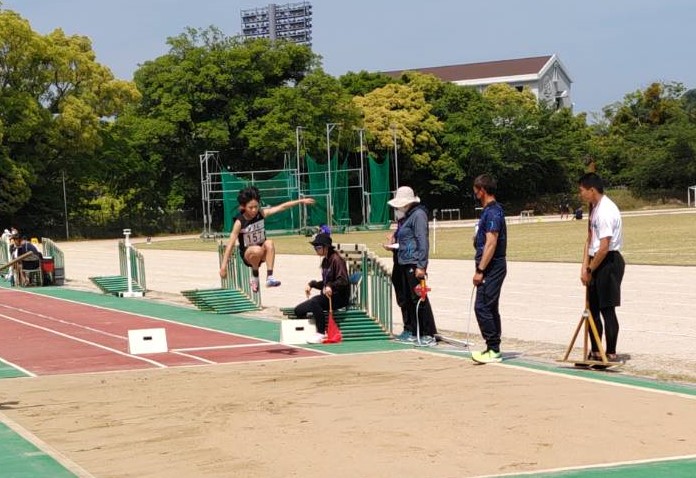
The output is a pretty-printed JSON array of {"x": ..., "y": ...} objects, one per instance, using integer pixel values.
[{"x": 333, "y": 333}]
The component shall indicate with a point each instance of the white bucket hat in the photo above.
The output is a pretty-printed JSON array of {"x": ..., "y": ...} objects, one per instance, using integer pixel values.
[{"x": 403, "y": 197}]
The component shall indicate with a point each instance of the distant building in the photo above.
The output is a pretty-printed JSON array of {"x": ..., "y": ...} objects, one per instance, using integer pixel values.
[
  {"x": 545, "y": 76},
  {"x": 292, "y": 22}
]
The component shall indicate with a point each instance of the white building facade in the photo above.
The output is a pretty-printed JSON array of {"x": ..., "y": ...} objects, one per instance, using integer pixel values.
[{"x": 545, "y": 76}]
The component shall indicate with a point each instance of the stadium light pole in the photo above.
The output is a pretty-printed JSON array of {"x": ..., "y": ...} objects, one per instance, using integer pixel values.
[
  {"x": 298, "y": 132},
  {"x": 361, "y": 132},
  {"x": 329, "y": 204},
  {"x": 396, "y": 156},
  {"x": 65, "y": 208},
  {"x": 55, "y": 117},
  {"x": 303, "y": 215}
]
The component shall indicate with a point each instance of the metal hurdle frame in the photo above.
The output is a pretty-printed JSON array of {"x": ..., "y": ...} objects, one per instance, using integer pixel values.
[
  {"x": 137, "y": 264},
  {"x": 374, "y": 292},
  {"x": 238, "y": 274}
]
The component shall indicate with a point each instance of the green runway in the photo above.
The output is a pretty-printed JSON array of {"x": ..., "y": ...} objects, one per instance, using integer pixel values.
[{"x": 21, "y": 459}]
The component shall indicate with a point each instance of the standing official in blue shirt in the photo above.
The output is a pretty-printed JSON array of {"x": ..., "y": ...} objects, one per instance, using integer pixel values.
[{"x": 491, "y": 268}]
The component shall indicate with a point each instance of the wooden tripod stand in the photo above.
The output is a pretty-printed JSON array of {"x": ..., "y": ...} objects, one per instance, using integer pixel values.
[{"x": 587, "y": 323}]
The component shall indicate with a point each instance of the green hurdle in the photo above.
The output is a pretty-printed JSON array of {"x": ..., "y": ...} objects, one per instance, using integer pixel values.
[
  {"x": 373, "y": 294},
  {"x": 137, "y": 265},
  {"x": 235, "y": 294},
  {"x": 118, "y": 285},
  {"x": 238, "y": 275}
]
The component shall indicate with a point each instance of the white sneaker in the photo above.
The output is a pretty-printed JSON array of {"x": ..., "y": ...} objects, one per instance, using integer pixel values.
[{"x": 316, "y": 339}]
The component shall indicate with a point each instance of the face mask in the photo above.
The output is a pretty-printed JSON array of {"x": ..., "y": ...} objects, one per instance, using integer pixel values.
[{"x": 400, "y": 213}]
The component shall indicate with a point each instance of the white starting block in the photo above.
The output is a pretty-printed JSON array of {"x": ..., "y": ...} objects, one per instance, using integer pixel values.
[
  {"x": 147, "y": 341},
  {"x": 296, "y": 331}
]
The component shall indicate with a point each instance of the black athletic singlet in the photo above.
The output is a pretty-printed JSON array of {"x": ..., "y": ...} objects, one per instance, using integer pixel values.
[{"x": 252, "y": 233}]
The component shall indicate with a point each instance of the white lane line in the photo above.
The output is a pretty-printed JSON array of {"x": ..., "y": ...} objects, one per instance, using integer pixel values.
[
  {"x": 560, "y": 374},
  {"x": 194, "y": 357},
  {"x": 87, "y": 342},
  {"x": 64, "y": 322},
  {"x": 21, "y": 369},
  {"x": 47, "y": 449},
  {"x": 142, "y": 316},
  {"x": 219, "y": 347},
  {"x": 594, "y": 466}
]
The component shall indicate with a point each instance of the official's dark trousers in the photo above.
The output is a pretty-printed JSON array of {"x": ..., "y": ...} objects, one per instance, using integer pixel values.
[
  {"x": 604, "y": 296},
  {"x": 488, "y": 301},
  {"x": 404, "y": 282},
  {"x": 317, "y": 305}
]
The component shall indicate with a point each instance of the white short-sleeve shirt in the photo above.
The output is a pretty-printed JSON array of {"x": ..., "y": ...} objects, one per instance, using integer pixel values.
[{"x": 606, "y": 222}]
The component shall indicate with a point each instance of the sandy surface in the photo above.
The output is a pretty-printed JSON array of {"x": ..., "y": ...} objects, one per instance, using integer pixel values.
[
  {"x": 541, "y": 303},
  {"x": 408, "y": 413}
]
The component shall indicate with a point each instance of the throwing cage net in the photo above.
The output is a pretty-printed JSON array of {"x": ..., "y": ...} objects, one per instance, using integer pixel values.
[{"x": 339, "y": 191}]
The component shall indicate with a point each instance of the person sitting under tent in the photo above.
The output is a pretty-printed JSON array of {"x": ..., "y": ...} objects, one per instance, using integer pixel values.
[
  {"x": 249, "y": 228},
  {"x": 334, "y": 285}
]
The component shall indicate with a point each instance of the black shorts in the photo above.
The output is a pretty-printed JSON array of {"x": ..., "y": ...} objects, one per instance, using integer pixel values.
[
  {"x": 605, "y": 285},
  {"x": 241, "y": 256}
]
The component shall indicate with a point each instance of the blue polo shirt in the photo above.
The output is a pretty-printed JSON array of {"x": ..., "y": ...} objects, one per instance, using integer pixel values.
[{"x": 492, "y": 220}]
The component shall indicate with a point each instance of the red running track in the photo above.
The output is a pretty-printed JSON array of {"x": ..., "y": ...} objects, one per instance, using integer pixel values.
[{"x": 44, "y": 336}]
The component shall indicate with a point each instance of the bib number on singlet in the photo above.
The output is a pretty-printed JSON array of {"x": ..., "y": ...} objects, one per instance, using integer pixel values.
[{"x": 254, "y": 234}]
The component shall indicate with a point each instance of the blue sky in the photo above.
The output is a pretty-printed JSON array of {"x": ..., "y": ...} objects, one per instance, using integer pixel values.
[{"x": 610, "y": 47}]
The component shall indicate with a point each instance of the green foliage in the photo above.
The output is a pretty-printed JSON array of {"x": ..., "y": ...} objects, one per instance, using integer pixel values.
[
  {"x": 54, "y": 101},
  {"x": 363, "y": 82},
  {"x": 400, "y": 111},
  {"x": 14, "y": 190},
  {"x": 649, "y": 141},
  {"x": 317, "y": 99},
  {"x": 129, "y": 150}
]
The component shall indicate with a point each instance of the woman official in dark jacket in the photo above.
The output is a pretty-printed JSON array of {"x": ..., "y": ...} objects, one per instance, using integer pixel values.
[
  {"x": 410, "y": 267},
  {"x": 333, "y": 284}
]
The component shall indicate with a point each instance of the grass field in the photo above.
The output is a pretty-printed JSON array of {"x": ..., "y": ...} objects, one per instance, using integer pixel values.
[{"x": 668, "y": 239}]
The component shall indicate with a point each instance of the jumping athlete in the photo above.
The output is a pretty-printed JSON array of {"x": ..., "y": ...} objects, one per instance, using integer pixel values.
[{"x": 250, "y": 229}]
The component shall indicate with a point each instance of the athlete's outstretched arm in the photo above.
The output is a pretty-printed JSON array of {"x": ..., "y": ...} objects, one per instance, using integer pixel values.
[{"x": 269, "y": 211}]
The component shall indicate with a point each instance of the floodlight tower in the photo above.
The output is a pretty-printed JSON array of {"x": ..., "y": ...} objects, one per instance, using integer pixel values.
[
  {"x": 396, "y": 156},
  {"x": 329, "y": 205}
]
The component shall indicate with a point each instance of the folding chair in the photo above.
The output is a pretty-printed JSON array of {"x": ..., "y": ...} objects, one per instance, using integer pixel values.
[
  {"x": 355, "y": 278},
  {"x": 31, "y": 271}
]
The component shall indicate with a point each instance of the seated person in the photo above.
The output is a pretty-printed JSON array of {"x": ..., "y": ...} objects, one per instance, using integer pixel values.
[
  {"x": 19, "y": 247},
  {"x": 334, "y": 284}
]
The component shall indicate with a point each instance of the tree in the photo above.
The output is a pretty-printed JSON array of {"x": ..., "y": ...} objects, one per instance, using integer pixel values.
[
  {"x": 210, "y": 92},
  {"x": 401, "y": 110},
  {"x": 54, "y": 104},
  {"x": 648, "y": 141},
  {"x": 363, "y": 82},
  {"x": 316, "y": 100}
]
